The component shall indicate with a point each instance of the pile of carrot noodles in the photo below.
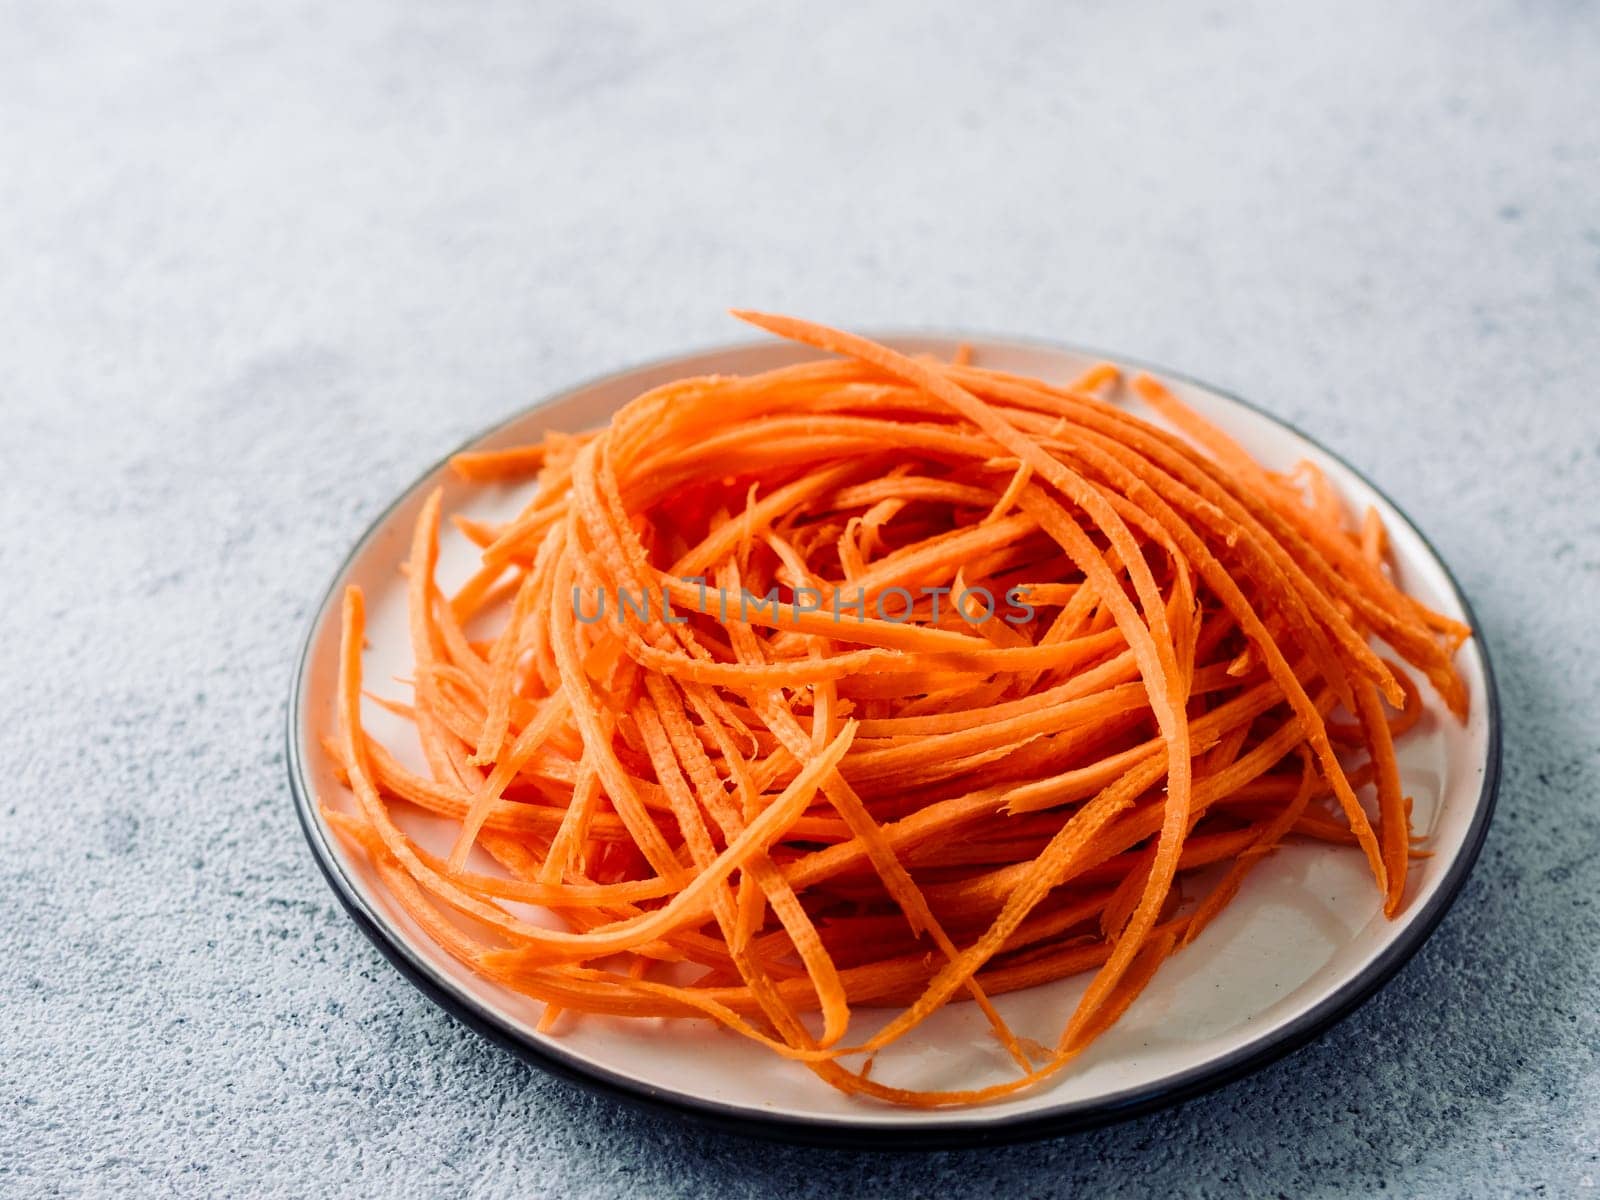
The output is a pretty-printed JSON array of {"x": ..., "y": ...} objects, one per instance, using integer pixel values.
[{"x": 879, "y": 681}]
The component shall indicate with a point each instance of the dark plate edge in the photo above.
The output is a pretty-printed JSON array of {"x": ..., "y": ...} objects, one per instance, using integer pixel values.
[{"x": 935, "y": 1135}]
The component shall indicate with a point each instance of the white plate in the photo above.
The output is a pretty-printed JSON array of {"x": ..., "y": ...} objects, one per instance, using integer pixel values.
[{"x": 1302, "y": 945}]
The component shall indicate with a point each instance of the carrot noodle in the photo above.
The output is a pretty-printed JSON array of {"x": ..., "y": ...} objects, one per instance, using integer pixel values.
[{"x": 883, "y": 682}]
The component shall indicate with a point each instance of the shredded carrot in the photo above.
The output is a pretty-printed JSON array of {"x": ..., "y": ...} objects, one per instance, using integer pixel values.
[
  {"x": 884, "y": 682},
  {"x": 489, "y": 466}
]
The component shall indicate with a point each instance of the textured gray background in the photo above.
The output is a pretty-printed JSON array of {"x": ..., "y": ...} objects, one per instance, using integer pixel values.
[{"x": 259, "y": 265}]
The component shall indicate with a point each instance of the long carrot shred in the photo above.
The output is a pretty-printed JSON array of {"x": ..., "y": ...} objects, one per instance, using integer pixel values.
[{"x": 880, "y": 682}]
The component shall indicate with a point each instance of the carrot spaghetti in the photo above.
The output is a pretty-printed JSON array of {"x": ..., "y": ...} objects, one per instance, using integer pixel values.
[{"x": 884, "y": 682}]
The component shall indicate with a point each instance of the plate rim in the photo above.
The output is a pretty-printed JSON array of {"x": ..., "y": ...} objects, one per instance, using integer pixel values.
[{"x": 954, "y": 1130}]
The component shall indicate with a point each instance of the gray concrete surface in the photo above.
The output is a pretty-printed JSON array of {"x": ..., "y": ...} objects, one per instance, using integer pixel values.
[{"x": 259, "y": 264}]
